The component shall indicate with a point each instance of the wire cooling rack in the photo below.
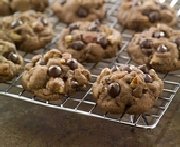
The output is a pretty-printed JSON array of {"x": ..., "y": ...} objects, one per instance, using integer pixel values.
[{"x": 82, "y": 102}]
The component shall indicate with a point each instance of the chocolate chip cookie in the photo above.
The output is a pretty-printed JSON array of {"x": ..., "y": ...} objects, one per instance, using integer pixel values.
[
  {"x": 29, "y": 30},
  {"x": 54, "y": 75},
  {"x": 90, "y": 41},
  {"x": 158, "y": 47},
  {"x": 70, "y": 11},
  {"x": 10, "y": 62},
  {"x": 127, "y": 89},
  {"x": 141, "y": 14},
  {"x": 7, "y": 7}
]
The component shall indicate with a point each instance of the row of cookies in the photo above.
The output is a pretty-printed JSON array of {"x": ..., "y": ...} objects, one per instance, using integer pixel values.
[
  {"x": 132, "y": 14},
  {"x": 93, "y": 41}
]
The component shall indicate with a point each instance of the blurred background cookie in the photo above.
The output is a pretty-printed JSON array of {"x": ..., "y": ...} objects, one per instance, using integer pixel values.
[
  {"x": 10, "y": 62},
  {"x": 157, "y": 47},
  {"x": 29, "y": 30},
  {"x": 141, "y": 14},
  {"x": 90, "y": 41},
  {"x": 70, "y": 11}
]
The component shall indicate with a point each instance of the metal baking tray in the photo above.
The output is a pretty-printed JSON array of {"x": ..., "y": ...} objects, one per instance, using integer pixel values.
[{"x": 82, "y": 102}]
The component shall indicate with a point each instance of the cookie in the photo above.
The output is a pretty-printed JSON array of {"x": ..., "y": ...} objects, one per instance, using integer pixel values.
[
  {"x": 54, "y": 75},
  {"x": 29, "y": 30},
  {"x": 158, "y": 47},
  {"x": 127, "y": 89},
  {"x": 4, "y": 8},
  {"x": 90, "y": 41},
  {"x": 10, "y": 62},
  {"x": 70, "y": 11},
  {"x": 141, "y": 14},
  {"x": 23, "y": 5},
  {"x": 8, "y": 7}
]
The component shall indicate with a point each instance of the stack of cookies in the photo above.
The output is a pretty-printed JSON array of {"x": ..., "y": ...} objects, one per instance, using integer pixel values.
[{"x": 59, "y": 72}]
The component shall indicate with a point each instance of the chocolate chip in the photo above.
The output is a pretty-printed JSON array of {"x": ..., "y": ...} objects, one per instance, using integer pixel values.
[
  {"x": 159, "y": 34},
  {"x": 127, "y": 68},
  {"x": 73, "y": 64},
  {"x": 74, "y": 84},
  {"x": 73, "y": 26},
  {"x": 14, "y": 58},
  {"x": 177, "y": 41},
  {"x": 154, "y": 16},
  {"x": 78, "y": 45},
  {"x": 148, "y": 78},
  {"x": 82, "y": 12},
  {"x": 102, "y": 41},
  {"x": 44, "y": 21},
  {"x": 16, "y": 23},
  {"x": 62, "y": 2},
  {"x": 147, "y": 44},
  {"x": 162, "y": 49},
  {"x": 144, "y": 68},
  {"x": 147, "y": 52},
  {"x": 54, "y": 71},
  {"x": 114, "y": 90}
]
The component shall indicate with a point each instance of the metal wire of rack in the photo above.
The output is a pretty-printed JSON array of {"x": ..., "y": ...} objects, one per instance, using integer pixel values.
[{"x": 82, "y": 102}]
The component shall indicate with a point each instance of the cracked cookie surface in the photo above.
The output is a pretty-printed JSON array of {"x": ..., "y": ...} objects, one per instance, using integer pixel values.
[
  {"x": 70, "y": 11},
  {"x": 10, "y": 62},
  {"x": 141, "y": 14},
  {"x": 158, "y": 47},
  {"x": 127, "y": 89},
  {"x": 29, "y": 30},
  {"x": 90, "y": 41},
  {"x": 54, "y": 75}
]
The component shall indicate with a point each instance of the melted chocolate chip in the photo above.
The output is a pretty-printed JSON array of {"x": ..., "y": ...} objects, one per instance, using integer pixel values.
[
  {"x": 74, "y": 84},
  {"x": 147, "y": 44},
  {"x": 144, "y": 68},
  {"x": 73, "y": 64},
  {"x": 102, "y": 41},
  {"x": 73, "y": 26},
  {"x": 44, "y": 21},
  {"x": 162, "y": 49},
  {"x": 16, "y": 23},
  {"x": 154, "y": 16},
  {"x": 177, "y": 41},
  {"x": 159, "y": 34},
  {"x": 78, "y": 45},
  {"x": 114, "y": 90},
  {"x": 148, "y": 78},
  {"x": 82, "y": 12},
  {"x": 14, "y": 58},
  {"x": 54, "y": 71}
]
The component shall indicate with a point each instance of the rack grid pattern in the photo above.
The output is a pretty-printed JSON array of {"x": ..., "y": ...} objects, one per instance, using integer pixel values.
[{"x": 82, "y": 102}]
